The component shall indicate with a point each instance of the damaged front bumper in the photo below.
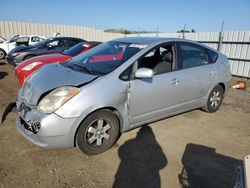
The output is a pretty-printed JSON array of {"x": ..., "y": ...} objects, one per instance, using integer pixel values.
[{"x": 45, "y": 130}]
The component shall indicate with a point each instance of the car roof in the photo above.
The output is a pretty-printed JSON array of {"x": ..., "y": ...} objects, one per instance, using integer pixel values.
[
  {"x": 142, "y": 40},
  {"x": 30, "y": 36},
  {"x": 158, "y": 40},
  {"x": 52, "y": 38}
]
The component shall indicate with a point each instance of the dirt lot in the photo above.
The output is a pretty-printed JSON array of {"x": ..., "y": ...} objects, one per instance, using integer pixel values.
[{"x": 195, "y": 149}]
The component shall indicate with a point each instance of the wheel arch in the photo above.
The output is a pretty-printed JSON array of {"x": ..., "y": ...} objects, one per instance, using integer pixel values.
[
  {"x": 31, "y": 55},
  {"x": 3, "y": 50},
  {"x": 109, "y": 108},
  {"x": 222, "y": 85}
]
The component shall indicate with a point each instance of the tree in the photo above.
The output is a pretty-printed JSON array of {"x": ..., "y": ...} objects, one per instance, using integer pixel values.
[{"x": 186, "y": 31}]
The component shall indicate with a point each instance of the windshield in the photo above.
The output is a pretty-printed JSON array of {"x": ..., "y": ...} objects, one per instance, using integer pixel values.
[
  {"x": 105, "y": 57},
  {"x": 38, "y": 44},
  {"x": 13, "y": 39},
  {"x": 76, "y": 49}
]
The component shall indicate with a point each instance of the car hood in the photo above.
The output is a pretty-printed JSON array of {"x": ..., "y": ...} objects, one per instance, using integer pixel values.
[
  {"x": 45, "y": 59},
  {"x": 49, "y": 77},
  {"x": 21, "y": 48}
]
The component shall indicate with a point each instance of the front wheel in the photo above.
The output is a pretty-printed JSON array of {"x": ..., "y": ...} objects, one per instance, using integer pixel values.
[
  {"x": 98, "y": 132},
  {"x": 2, "y": 54},
  {"x": 214, "y": 99}
]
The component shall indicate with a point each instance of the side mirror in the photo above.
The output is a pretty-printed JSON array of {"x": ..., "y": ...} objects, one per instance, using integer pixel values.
[{"x": 144, "y": 73}]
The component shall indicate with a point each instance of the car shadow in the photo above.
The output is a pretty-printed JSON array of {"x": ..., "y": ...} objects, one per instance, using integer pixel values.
[
  {"x": 2, "y": 63},
  {"x": 141, "y": 160},
  {"x": 3, "y": 74},
  {"x": 203, "y": 167}
]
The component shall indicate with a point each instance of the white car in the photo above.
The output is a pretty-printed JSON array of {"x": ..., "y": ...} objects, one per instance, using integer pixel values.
[{"x": 17, "y": 40}]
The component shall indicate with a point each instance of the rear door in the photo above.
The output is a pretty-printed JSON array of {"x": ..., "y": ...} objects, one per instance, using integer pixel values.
[{"x": 196, "y": 68}]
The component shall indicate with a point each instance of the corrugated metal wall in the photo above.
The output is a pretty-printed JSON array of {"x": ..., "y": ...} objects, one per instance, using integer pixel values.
[
  {"x": 235, "y": 44},
  {"x": 10, "y": 28}
]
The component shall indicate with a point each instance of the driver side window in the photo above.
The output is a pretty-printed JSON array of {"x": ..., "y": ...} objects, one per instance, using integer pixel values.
[
  {"x": 159, "y": 59},
  {"x": 53, "y": 44}
]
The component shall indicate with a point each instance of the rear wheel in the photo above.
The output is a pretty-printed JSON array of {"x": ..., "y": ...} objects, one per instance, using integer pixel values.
[
  {"x": 2, "y": 54},
  {"x": 98, "y": 132},
  {"x": 214, "y": 99}
]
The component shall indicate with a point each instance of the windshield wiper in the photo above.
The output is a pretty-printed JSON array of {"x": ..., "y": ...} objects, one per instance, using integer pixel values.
[{"x": 86, "y": 69}]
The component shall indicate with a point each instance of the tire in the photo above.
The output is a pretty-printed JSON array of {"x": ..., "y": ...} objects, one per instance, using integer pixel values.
[
  {"x": 98, "y": 132},
  {"x": 2, "y": 54},
  {"x": 28, "y": 57},
  {"x": 214, "y": 100}
]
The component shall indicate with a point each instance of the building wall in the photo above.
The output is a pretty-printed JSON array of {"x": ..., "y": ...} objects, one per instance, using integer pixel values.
[
  {"x": 234, "y": 44},
  {"x": 10, "y": 28}
]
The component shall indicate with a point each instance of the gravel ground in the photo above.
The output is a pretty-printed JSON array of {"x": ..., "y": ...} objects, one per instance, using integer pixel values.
[{"x": 194, "y": 149}]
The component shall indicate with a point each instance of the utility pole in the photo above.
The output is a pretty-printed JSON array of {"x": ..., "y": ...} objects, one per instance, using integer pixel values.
[
  {"x": 220, "y": 37},
  {"x": 184, "y": 29},
  {"x": 157, "y": 31}
]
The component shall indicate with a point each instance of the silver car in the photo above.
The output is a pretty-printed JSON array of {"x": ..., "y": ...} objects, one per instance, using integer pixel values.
[{"x": 117, "y": 86}]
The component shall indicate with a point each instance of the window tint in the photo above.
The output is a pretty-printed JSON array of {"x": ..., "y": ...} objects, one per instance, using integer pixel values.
[
  {"x": 159, "y": 59},
  {"x": 212, "y": 56},
  {"x": 69, "y": 43},
  {"x": 77, "y": 49},
  {"x": 192, "y": 55}
]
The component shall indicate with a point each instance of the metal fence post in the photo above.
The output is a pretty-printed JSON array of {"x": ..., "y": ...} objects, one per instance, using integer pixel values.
[{"x": 220, "y": 37}]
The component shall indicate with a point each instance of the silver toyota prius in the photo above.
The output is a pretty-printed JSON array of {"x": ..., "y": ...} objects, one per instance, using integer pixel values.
[{"x": 116, "y": 86}]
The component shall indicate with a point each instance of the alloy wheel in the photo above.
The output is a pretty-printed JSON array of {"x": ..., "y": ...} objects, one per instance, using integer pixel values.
[{"x": 97, "y": 132}]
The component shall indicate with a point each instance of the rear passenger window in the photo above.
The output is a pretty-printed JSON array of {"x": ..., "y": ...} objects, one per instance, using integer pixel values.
[
  {"x": 192, "y": 55},
  {"x": 69, "y": 43},
  {"x": 212, "y": 56}
]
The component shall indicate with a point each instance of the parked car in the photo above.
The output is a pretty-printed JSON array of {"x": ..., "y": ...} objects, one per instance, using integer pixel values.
[
  {"x": 28, "y": 66},
  {"x": 7, "y": 46},
  {"x": 2, "y": 39},
  {"x": 48, "y": 46},
  {"x": 89, "y": 103}
]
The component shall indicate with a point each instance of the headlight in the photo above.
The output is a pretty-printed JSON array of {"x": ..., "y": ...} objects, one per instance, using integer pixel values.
[
  {"x": 56, "y": 98},
  {"x": 31, "y": 66}
]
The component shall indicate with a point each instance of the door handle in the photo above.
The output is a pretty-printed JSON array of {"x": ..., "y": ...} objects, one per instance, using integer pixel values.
[
  {"x": 211, "y": 73},
  {"x": 175, "y": 81}
]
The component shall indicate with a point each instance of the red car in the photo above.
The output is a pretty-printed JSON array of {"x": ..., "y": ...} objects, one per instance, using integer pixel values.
[{"x": 24, "y": 69}]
